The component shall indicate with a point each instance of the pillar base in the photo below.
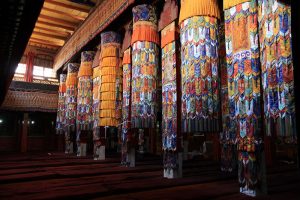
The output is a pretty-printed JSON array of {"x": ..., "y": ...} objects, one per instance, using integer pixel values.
[
  {"x": 81, "y": 149},
  {"x": 131, "y": 157},
  {"x": 69, "y": 148}
]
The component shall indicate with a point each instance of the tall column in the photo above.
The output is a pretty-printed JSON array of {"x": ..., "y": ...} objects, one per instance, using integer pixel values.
[
  {"x": 71, "y": 105},
  {"x": 227, "y": 136},
  {"x": 111, "y": 83},
  {"x": 145, "y": 59},
  {"x": 61, "y": 111},
  {"x": 242, "y": 53},
  {"x": 277, "y": 70},
  {"x": 199, "y": 65},
  {"x": 84, "y": 119},
  {"x": 61, "y": 107},
  {"x": 96, "y": 105},
  {"x": 171, "y": 133},
  {"x": 296, "y": 58}
]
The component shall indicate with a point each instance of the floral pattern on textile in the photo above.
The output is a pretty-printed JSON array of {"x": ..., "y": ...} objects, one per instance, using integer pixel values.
[
  {"x": 71, "y": 96},
  {"x": 85, "y": 96},
  {"x": 145, "y": 54},
  {"x": 277, "y": 69},
  {"x": 61, "y": 107},
  {"x": 111, "y": 80},
  {"x": 200, "y": 74},
  {"x": 242, "y": 53}
]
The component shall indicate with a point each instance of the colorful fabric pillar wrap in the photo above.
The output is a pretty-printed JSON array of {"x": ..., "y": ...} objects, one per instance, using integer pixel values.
[
  {"x": 227, "y": 135},
  {"x": 96, "y": 102},
  {"x": 71, "y": 97},
  {"x": 85, "y": 96},
  {"x": 199, "y": 65},
  {"x": 242, "y": 52},
  {"x": 61, "y": 107},
  {"x": 170, "y": 59},
  {"x": 111, "y": 80},
  {"x": 125, "y": 137},
  {"x": 277, "y": 69},
  {"x": 145, "y": 56}
]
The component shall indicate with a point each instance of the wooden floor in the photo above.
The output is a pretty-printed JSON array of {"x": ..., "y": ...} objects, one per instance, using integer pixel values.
[{"x": 57, "y": 176}]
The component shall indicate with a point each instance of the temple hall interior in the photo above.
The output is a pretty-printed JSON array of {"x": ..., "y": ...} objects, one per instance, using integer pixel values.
[{"x": 149, "y": 99}]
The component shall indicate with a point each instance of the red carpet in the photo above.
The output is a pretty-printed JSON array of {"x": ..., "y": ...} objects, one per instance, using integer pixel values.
[{"x": 57, "y": 176}]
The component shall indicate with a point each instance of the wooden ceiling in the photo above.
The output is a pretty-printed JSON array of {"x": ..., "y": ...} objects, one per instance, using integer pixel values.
[{"x": 58, "y": 20}]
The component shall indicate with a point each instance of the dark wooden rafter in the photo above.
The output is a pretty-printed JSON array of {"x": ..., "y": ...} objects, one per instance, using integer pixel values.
[
  {"x": 73, "y": 7},
  {"x": 64, "y": 13},
  {"x": 51, "y": 46},
  {"x": 57, "y": 32},
  {"x": 45, "y": 41},
  {"x": 57, "y": 20},
  {"x": 56, "y": 25},
  {"x": 49, "y": 35}
]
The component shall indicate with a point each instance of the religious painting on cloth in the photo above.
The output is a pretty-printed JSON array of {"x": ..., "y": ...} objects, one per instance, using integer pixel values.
[
  {"x": 243, "y": 69},
  {"x": 61, "y": 107},
  {"x": 170, "y": 61},
  {"x": 274, "y": 18},
  {"x": 227, "y": 135},
  {"x": 145, "y": 56},
  {"x": 111, "y": 80},
  {"x": 71, "y": 96},
  {"x": 85, "y": 88}
]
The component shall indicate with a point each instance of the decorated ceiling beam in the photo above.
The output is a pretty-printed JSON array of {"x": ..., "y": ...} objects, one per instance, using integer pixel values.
[
  {"x": 57, "y": 20},
  {"x": 56, "y": 32},
  {"x": 64, "y": 13},
  {"x": 102, "y": 16},
  {"x": 56, "y": 25},
  {"x": 49, "y": 35}
]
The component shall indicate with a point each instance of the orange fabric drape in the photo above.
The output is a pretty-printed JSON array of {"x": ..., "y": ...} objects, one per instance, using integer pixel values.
[{"x": 29, "y": 67}]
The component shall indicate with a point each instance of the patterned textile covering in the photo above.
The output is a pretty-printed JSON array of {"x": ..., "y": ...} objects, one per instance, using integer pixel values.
[
  {"x": 71, "y": 96},
  {"x": 96, "y": 102},
  {"x": 111, "y": 80},
  {"x": 200, "y": 74},
  {"x": 61, "y": 107},
  {"x": 85, "y": 96},
  {"x": 227, "y": 136},
  {"x": 145, "y": 52},
  {"x": 169, "y": 94},
  {"x": 277, "y": 69},
  {"x": 125, "y": 137},
  {"x": 241, "y": 31}
]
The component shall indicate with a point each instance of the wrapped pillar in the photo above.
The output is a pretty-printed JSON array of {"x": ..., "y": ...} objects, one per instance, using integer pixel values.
[
  {"x": 126, "y": 133},
  {"x": 277, "y": 72},
  {"x": 172, "y": 158},
  {"x": 111, "y": 80},
  {"x": 227, "y": 136},
  {"x": 71, "y": 104},
  {"x": 96, "y": 104},
  {"x": 61, "y": 107},
  {"x": 242, "y": 53},
  {"x": 199, "y": 65},
  {"x": 84, "y": 100},
  {"x": 145, "y": 59}
]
